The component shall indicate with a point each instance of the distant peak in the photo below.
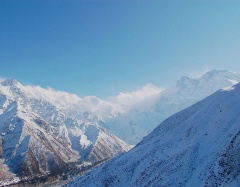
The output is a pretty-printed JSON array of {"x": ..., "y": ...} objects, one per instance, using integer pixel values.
[
  {"x": 184, "y": 80},
  {"x": 217, "y": 72},
  {"x": 210, "y": 75},
  {"x": 10, "y": 82}
]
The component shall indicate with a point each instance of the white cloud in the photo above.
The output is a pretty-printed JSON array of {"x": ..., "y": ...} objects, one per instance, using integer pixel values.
[
  {"x": 124, "y": 101},
  {"x": 68, "y": 101},
  {"x": 139, "y": 98},
  {"x": 59, "y": 98}
]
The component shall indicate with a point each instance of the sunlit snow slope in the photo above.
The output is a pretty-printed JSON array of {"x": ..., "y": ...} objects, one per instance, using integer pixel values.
[{"x": 198, "y": 146}]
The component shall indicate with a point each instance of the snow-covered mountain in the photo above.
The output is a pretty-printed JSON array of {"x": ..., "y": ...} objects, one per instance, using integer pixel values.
[
  {"x": 137, "y": 122},
  {"x": 198, "y": 146},
  {"x": 44, "y": 129},
  {"x": 38, "y": 136}
]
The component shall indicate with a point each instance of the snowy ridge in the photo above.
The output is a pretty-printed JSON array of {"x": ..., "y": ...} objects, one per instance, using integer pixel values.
[
  {"x": 127, "y": 114},
  {"x": 198, "y": 146}
]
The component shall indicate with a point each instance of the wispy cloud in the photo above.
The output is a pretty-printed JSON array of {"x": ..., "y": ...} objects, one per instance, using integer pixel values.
[
  {"x": 57, "y": 97},
  {"x": 146, "y": 94},
  {"x": 124, "y": 101},
  {"x": 69, "y": 101}
]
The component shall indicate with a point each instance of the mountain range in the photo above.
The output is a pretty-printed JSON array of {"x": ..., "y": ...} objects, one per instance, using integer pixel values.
[
  {"x": 44, "y": 132},
  {"x": 198, "y": 146}
]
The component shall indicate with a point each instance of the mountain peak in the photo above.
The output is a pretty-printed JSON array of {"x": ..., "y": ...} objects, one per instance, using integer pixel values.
[
  {"x": 10, "y": 82},
  {"x": 184, "y": 79},
  {"x": 220, "y": 73},
  {"x": 213, "y": 75}
]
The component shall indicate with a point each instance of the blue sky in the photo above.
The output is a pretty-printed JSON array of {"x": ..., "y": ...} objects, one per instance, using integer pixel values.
[{"x": 104, "y": 47}]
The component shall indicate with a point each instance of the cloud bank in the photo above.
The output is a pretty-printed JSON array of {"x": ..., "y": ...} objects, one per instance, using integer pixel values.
[
  {"x": 59, "y": 98},
  {"x": 142, "y": 97},
  {"x": 123, "y": 102}
]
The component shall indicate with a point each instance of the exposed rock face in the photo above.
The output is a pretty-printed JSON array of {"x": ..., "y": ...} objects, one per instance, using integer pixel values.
[
  {"x": 0, "y": 147},
  {"x": 4, "y": 174}
]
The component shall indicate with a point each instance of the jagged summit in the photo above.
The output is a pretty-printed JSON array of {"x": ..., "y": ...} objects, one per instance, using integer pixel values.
[
  {"x": 10, "y": 82},
  {"x": 183, "y": 81}
]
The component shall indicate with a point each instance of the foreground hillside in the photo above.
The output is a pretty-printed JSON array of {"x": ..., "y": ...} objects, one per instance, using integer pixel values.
[{"x": 198, "y": 146}]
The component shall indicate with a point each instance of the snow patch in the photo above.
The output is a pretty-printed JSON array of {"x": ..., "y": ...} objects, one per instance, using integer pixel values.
[
  {"x": 232, "y": 81},
  {"x": 230, "y": 88},
  {"x": 84, "y": 141}
]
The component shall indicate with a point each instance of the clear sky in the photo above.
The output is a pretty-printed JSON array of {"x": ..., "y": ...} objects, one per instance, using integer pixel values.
[{"x": 103, "y": 47}]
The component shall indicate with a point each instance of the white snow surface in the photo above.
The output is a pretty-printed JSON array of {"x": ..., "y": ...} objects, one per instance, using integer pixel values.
[{"x": 198, "y": 146}]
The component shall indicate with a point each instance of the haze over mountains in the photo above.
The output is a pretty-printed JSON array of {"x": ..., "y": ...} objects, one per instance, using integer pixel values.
[
  {"x": 43, "y": 131},
  {"x": 198, "y": 146}
]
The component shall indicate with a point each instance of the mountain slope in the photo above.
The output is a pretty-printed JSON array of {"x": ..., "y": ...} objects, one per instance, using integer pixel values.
[
  {"x": 138, "y": 122},
  {"x": 198, "y": 146},
  {"x": 38, "y": 138}
]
